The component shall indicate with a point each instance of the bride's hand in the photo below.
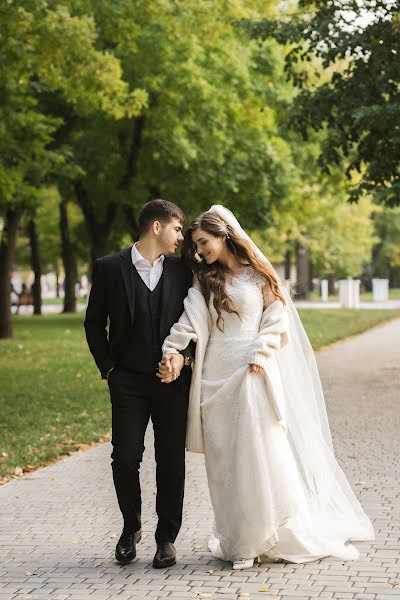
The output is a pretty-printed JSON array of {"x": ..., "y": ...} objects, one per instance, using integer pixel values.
[
  {"x": 170, "y": 367},
  {"x": 256, "y": 368}
]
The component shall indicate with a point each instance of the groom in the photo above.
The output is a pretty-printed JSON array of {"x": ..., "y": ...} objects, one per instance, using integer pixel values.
[{"x": 140, "y": 292}]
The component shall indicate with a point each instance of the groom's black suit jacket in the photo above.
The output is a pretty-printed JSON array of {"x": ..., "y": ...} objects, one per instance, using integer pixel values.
[{"x": 112, "y": 299}]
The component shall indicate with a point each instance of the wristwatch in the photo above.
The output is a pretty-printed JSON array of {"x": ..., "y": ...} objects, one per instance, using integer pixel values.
[{"x": 188, "y": 361}]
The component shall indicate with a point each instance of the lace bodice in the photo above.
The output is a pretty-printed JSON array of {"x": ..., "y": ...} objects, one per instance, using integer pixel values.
[{"x": 246, "y": 292}]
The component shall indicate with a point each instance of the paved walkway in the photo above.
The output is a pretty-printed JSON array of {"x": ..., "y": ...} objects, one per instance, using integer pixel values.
[
  {"x": 58, "y": 526},
  {"x": 388, "y": 305},
  {"x": 48, "y": 309}
]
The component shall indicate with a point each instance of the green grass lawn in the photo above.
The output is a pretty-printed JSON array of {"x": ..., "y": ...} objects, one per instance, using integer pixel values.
[
  {"x": 326, "y": 325},
  {"x": 60, "y": 301},
  {"x": 52, "y": 400},
  {"x": 51, "y": 397}
]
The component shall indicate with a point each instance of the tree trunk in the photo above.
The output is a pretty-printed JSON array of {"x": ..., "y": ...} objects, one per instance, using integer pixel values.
[
  {"x": 288, "y": 264},
  {"x": 303, "y": 271},
  {"x": 69, "y": 261},
  {"x": 57, "y": 284},
  {"x": 36, "y": 267},
  {"x": 7, "y": 254},
  {"x": 130, "y": 143},
  {"x": 132, "y": 222},
  {"x": 331, "y": 284},
  {"x": 394, "y": 277},
  {"x": 99, "y": 231},
  {"x": 310, "y": 276}
]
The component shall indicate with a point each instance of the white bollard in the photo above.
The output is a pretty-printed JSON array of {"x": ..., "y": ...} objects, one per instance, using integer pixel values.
[
  {"x": 349, "y": 293},
  {"x": 324, "y": 290},
  {"x": 356, "y": 293},
  {"x": 380, "y": 290},
  {"x": 345, "y": 293}
]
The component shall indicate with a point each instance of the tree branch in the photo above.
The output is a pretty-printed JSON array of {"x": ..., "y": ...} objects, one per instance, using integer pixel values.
[
  {"x": 62, "y": 133},
  {"x": 133, "y": 155}
]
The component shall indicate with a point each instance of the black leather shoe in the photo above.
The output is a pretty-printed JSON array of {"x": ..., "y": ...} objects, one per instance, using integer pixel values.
[
  {"x": 165, "y": 555},
  {"x": 126, "y": 547}
]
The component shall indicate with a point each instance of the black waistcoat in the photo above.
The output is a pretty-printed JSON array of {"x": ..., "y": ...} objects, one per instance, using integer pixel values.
[{"x": 143, "y": 351}]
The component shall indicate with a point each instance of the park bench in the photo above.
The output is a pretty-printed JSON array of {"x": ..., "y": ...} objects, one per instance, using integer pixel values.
[{"x": 23, "y": 298}]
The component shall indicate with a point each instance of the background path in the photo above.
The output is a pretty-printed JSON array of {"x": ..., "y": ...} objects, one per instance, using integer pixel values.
[
  {"x": 59, "y": 526},
  {"x": 389, "y": 305}
]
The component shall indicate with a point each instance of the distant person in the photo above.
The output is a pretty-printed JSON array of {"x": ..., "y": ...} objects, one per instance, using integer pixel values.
[
  {"x": 141, "y": 291},
  {"x": 25, "y": 297}
]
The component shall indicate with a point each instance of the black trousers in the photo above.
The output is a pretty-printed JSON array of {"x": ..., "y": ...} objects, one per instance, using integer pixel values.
[{"x": 136, "y": 398}]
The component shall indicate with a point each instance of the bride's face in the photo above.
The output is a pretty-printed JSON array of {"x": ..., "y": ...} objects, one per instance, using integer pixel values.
[{"x": 208, "y": 246}]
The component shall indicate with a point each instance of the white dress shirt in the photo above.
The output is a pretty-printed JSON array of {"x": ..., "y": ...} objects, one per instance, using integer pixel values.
[{"x": 150, "y": 273}]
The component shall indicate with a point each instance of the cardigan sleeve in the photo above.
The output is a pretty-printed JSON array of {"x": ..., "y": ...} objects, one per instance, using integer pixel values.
[
  {"x": 273, "y": 334},
  {"x": 181, "y": 334}
]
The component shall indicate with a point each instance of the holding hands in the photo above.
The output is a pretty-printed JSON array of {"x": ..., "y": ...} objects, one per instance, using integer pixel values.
[{"x": 170, "y": 367}]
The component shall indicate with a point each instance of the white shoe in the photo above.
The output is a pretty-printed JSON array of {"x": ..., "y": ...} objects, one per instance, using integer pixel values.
[{"x": 243, "y": 563}]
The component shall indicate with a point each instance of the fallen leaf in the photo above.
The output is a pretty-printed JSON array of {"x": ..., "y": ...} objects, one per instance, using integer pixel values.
[
  {"x": 211, "y": 572},
  {"x": 18, "y": 471},
  {"x": 29, "y": 573},
  {"x": 264, "y": 590},
  {"x": 29, "y": 469},
  {"x": 82, "y": 446}
]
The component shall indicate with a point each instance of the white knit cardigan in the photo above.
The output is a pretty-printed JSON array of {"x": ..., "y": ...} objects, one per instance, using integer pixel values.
[{"x": 195, "y": 325}]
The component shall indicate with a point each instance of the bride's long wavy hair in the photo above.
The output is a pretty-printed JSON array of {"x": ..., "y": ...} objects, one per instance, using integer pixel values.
[{"x": 212, "y": 277}]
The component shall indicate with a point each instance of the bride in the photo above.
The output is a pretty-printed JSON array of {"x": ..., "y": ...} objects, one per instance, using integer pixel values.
[{"x": 256, "y": 408}]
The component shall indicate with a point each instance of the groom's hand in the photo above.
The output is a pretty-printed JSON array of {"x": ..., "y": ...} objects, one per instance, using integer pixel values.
[{"x": 170, "y": 367}]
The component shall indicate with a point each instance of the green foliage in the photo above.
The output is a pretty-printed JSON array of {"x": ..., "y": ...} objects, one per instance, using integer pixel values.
[
  {"x": 205, "y": 134},
  {"x": 133, "y": 100},
  {"x": 49, "y": 51},
  {"x": 387, "y": 248},
  {"x": 47, "y": 217},
  {"x": 339, "y": 236},
  {"x": 359, "y": 47}
]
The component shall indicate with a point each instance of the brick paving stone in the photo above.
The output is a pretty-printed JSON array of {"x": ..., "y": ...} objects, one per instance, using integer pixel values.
[{"x": 62, "y": 522}]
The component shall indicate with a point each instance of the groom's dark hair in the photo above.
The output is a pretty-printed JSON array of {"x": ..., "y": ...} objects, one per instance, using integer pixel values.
[{"x": 158, "y": 210}]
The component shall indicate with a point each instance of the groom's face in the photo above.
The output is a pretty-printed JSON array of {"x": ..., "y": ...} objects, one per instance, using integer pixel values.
[{"x": 170, "y": 236}]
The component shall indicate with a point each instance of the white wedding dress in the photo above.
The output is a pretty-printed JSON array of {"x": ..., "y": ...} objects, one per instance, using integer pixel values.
[{"x": 261, "y": 507}]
